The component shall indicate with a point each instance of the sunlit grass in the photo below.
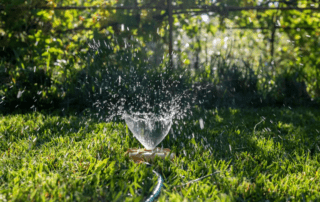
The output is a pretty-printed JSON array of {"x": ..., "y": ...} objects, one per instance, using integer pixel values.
[{"x": 255, "y": 154}]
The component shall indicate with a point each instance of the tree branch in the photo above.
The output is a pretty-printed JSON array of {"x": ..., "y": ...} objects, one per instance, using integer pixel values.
[
  {"x": 89, "y": 7},
  {"x": 276, "y": 27}
]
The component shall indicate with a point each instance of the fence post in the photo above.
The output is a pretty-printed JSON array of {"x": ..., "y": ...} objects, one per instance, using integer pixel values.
[
  {"x": 273, "y": 31},
  {"x": 169, "y": 2}
]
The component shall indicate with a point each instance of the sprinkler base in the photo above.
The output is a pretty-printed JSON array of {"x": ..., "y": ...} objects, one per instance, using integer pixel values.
[{"x": 140, "y": 155}]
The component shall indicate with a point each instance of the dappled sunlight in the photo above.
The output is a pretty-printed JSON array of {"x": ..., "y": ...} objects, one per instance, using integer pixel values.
[
  {"x": 237, "y": 160},
  {"x": 168, "y": 100}
]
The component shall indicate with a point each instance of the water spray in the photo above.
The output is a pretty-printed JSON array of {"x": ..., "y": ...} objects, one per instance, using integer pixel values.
[{"x": 149, "y": 130}]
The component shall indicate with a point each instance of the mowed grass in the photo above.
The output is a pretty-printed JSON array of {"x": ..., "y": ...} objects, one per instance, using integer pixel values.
[{"x": 252, "y": 154}]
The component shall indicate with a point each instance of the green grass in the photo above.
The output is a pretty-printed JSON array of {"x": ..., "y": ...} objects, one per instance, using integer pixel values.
[{"x": 53, "y": 158}]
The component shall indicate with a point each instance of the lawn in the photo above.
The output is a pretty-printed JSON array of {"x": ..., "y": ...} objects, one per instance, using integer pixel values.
[{"x": 253, "y": 155}]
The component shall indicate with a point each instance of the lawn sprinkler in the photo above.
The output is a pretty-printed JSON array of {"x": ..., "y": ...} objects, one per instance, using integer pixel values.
[{"x": 149, "y": 130}]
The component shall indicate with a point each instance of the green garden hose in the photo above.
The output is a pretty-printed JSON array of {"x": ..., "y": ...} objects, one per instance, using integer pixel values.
[{"x": 157, "y": 189}]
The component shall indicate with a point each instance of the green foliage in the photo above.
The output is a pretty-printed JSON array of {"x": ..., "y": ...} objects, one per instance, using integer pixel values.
[
  {"x": 301, "y": 29},
  {"x": 56, "y": 43},
  {"x": 287, "y": 89},
  {"x": 262, "y": 154},
  {"x": 32, "y": 90}
]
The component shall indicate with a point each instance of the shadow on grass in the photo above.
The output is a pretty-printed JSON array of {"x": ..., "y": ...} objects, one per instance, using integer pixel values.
[{"x": 259, "y": 143}]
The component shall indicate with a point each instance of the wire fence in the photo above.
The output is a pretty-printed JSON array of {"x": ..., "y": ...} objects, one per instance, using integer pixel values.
[{"x": 204, "y": 8}]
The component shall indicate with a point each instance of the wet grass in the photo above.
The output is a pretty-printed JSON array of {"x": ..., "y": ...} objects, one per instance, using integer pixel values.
[{"x": 249, "y": 155}]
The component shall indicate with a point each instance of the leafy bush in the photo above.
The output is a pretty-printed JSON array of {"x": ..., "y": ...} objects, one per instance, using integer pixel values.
[
  {"x": 31, "y": 89},
  {"x": 287, "y": 90},
  {"x": 231, "y": 86}
]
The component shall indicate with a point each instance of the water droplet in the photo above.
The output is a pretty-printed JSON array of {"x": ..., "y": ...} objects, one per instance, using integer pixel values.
[
  {"x": 19, "y": 94},
  {"x": 201, "y": 123}
]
